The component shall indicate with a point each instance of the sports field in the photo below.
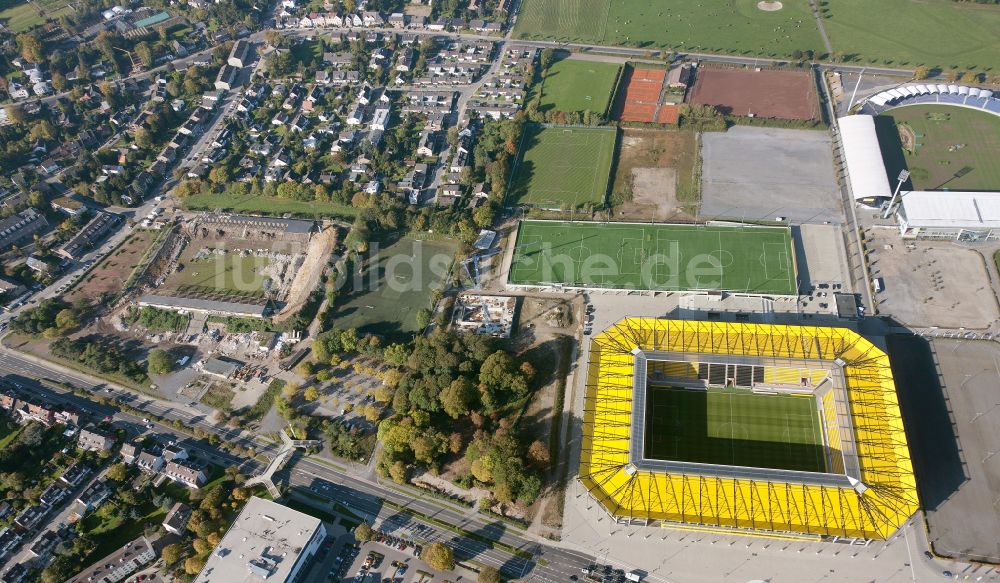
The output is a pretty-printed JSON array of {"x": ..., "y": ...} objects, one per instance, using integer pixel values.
[
  {"x": 940, "y": 33},
  {"x": 561, "y": 167},
  {"x": 728, "y": 26},
  {"x": 227, "y": 273},
  {"x": 396, "y": 284},
  {"x": 575, "y": 85},
  {"x": 21, "y": 15},
  {"x": 734, "y": 427},
  {"x": 949, "y": 147},
  {"x": 660, "y": 257},
  {"x": 905, "y": 33}
]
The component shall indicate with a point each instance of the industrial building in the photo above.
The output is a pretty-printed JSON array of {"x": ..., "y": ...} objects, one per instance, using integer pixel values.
[
  {"x": 267, "y": 542},
  {"x": 866, "y": 488}
]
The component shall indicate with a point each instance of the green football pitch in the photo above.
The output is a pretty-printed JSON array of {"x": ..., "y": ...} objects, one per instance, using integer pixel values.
[
  {"x": 734, "y": 427},
  {"x": 572, "y": 85},
  {"x": 956, "y": 148},
  {"x": 661, "y": 257},
  {"x": 563, "y": 167}
]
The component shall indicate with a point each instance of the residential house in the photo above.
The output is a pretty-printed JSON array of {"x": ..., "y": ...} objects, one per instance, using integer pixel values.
[
  {"x": 242, "y": 54},
  {"x": 129, "y": 453},
  {"x": 174, "y": 452},
  {"x": 149, "y": 462},
  {"x": 185, "y": 473},
  {"x": 91, "y": 440},
  {"x": 75, "y": 474},
  {"x": 177, "y": 519},
  {"x": 19, "y": 228}
]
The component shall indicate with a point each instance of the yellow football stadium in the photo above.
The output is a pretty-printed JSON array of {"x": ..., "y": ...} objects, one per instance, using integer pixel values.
[{"x": 765, "y": 429}]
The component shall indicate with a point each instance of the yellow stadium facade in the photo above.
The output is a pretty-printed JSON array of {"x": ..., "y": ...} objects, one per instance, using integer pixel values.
[{"x": 867, "y": 491}]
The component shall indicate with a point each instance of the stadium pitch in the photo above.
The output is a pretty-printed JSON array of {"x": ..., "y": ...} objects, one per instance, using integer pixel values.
[
  {"x": 657, "y": 257},
  {"x": 734, "y": 427},
  {"x": 563, "y": 167}
]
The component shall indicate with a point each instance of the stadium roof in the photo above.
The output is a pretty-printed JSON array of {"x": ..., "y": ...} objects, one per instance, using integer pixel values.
[
  {"x": 951, "y": 210},
  {"x": 265, "y": 543},
  {"x": 865, "y": 167},
  {"x": 199, "y": 305},
  {"x": 870, "y": 500}
]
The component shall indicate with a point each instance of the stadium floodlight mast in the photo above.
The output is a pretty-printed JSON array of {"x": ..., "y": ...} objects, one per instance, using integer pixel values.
[{"x": 903, "y": 175}]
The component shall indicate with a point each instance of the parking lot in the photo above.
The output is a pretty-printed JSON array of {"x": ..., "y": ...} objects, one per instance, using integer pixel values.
[{"x": 931, "y": 283}]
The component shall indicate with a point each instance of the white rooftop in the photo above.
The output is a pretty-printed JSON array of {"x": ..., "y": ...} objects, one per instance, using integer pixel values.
[
  {"x": 263, "y": 544},
  {"x": 946, "y": 209},
  {"x": 863, "y": 156}
]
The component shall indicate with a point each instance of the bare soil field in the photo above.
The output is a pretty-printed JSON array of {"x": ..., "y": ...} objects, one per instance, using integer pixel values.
[
  {"x": 764, "y": 93},
  {"x": 307, "y": 278},
  {"x": 657, "y": 167},
  {"x": 110, "y": 274}
]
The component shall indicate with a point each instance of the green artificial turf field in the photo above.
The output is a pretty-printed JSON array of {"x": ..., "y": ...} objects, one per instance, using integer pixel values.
[
  {"x": 654, "y": 257},
  {"x": 734, "y": 427},
  {"x": 955, "y": 148},
  {"x": 573, "y": 85},
  {"x": 730, "y": 26},
  {"x": 561, "y": 167}
]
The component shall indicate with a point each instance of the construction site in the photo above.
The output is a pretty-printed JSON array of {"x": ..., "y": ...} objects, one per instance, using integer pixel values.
[{"x": 488, "y": 315}]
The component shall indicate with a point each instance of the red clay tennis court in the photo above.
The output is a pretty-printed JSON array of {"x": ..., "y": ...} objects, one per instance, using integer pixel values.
[
  {"x": 761, "y": 93},
  {"x": 643, "y": 90}
]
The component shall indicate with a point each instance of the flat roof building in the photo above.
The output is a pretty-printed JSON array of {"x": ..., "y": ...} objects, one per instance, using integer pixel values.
[
  {"x": 215, "y": 307},
  {"x": 966, "y": 216},
  {"x": 19, "y": 228},
  {"x": 267, "y": 542},
  {"x": 242, "y": 54}
]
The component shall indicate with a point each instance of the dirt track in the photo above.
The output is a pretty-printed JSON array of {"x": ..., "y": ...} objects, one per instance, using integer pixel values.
[{"x": 306, "y": 280}]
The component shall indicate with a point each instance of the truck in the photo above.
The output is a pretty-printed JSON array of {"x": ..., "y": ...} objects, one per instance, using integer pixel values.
[{"x": 634, "y": 576}]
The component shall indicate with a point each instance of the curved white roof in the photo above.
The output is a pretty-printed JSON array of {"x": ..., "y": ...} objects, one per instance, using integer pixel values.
[
  {"x": 933, "y": 88},
  {"x": 922, "y": 89},
  {"x": 909, "y": 90},
  {"x": 865, "y": 167},
  {"x": 963, "y": 90},
  {"x": 985, "y": 93},
  {"x": 942, "y": 88},
  {"x": 878, "y": 99},
  {"x": 953, "y": 89},
  {"x": 895, "y": 93}
]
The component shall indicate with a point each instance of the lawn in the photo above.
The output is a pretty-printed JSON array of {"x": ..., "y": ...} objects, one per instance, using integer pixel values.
[
  {"x": 397, "y": 282},
  {"x": 8, "y": 432},
  {"x": 268, "y": 205},
  {"x": 224, "y": 273},
  {"x": 112, "y": 530},
  {"x": 953, "y": 147},
  {"x": 729, "y": 26},
  {"x": 913, "y": 32},
  {"x": 575, "y": 85},
  {"x": 20, "y": 16},
  {"x": 562, "y": 167},
  {"x": 897, "y": 32},
  {"x": 654, "y": 256},
  {"x": 734, "y": 427}
]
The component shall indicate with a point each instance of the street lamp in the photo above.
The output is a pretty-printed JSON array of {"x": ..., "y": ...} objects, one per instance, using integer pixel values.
[{"x": 903, "y": 175}]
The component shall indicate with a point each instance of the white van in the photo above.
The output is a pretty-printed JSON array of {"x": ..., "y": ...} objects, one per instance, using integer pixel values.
[{"x": 878, "y": 284}]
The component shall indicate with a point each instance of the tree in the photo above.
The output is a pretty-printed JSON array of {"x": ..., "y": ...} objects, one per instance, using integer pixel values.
[
  {"x": 172, "y": 553},
  {"x": 363, "y": 533},
  {"x": 15, "y": 113},
  {"x": 457, "y": 398},
  {"x": 970, "y": 77},
  {"x": 305, "y": 369},
  {"x": 310, "y": 394},
  {"x": 31, "y": 47},
  {"x": 372, "y": 413},
  {"x": 117, "y": 472},
  {"x": 423, "y": 317},
  {"x": 538, "y": 453},
  {"x": 921, "y": 72},
  {"x": 398, "y": 473},
  {"x": 194, "y": 565},
  {"x": 439, "y": 556},
  {"x": 159, "y": 362},
  {"x": 290, "y": 390},
  {"x": 145, "y": 54},
  {"x": 488, "y": 574},
  {"x": 67, "y": 321},
  {"x": 547, "y": 58},
  {"x": 272, "y": 37}
]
